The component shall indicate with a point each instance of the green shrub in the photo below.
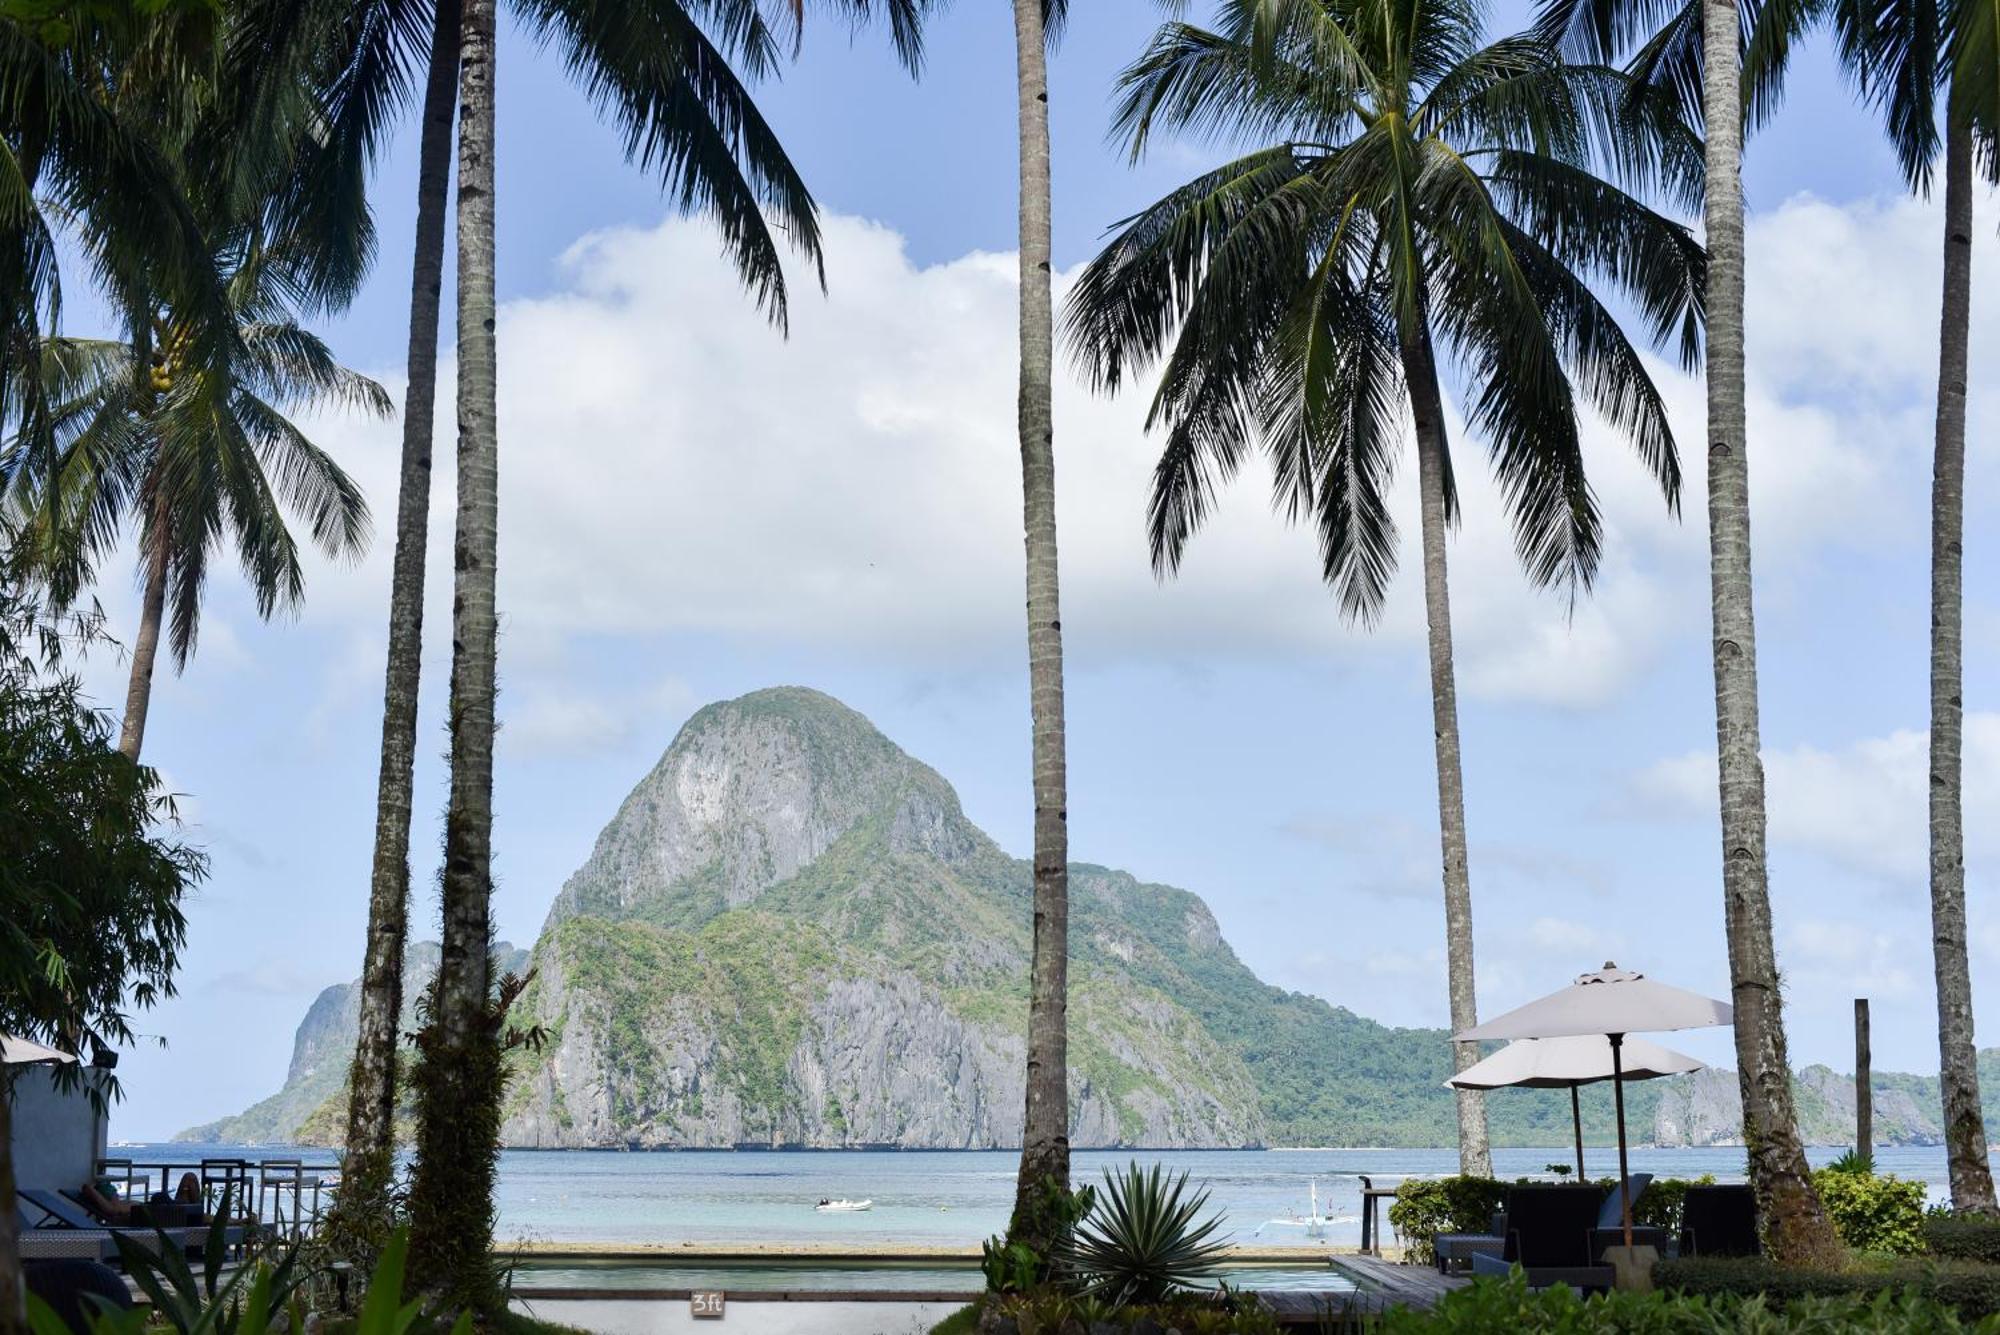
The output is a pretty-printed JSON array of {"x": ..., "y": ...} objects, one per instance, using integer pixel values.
[
  {"x": 1873, "y": 1214},
  {"x": 1970, "y": 1288},
  {"x": 1426, "y": 1207},
  {"x": 1709, "y": 1276},
  {"x": 1047, "y": 1311},
  {"x": 1506, "y": 1305},
  {"x": 1964, "y": 1237}
]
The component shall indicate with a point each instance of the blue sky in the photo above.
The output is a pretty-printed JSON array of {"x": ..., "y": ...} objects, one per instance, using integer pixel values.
[{"x": 694, "y": 508}]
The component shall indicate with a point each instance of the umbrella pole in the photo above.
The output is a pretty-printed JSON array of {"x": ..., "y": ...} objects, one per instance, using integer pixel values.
[
  {"x": 1618, "y": 1097},
  {"x": 1576, "y": 1115}
]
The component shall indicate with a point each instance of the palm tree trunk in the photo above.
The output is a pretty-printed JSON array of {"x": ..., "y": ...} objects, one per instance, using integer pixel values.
[
  {"x": 1427, "y": 407},
  {"x": 1045, "y": 1133},
  {"x": 13, "y": 1293},
  {"x": 146, "y": 647},
  {"x": 372, "y": 1084},
  {"x": 458, "y": 1083},
  {"x": 1796, "y": 1229},
  {"x": 1958, "y": 1063}
]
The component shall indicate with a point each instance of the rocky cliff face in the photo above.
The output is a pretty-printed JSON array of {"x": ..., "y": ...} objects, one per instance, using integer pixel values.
[
  {"x": 791, "y": 935},
  {"x": 1706, "y": 1108}
]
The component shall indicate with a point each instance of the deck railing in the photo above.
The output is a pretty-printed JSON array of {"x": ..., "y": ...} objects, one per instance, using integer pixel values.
[{"x": 288, "y": 1195}]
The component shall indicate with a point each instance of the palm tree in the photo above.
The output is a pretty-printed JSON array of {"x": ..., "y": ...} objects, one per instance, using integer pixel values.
[
  {"x": 80, "y": 164},
  {"x": 1902, "y": 55},
  {"x": 458, "y": 1087},
  {"x": 1673, "y": 37},
  {"x": 1965, "y": 1135},
  {"x": 147, "y": 435},
  {"x": 685, "y": 114},
  {"x": 1423, "y": 189},
  {"x": 1043, "y": 1180}
]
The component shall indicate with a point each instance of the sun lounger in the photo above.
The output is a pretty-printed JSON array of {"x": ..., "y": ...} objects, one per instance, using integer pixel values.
[
  {"x": 1720, "y": 1221},
  {"x": 62, "y": 1243},
  {"x": 1549, "y": 1235},
  {"x": 1610, "y": 1231},
  {"x": 59, "y": 1213},
  {"x": 1454, "y": 1251}
]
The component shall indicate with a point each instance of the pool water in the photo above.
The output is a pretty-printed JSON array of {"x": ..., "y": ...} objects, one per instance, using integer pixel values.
[{"x": 611, "y": 1277}]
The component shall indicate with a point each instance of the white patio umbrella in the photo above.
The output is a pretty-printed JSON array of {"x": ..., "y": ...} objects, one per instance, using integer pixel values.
[
  {"x": 20, "y": 1052},
  {"x": 1612, "y": 1002},
  {"x": 1571, "y": 1062}
]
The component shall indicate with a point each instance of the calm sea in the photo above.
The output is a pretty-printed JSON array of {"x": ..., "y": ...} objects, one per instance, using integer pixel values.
[{"x": 957, "y": 1198}]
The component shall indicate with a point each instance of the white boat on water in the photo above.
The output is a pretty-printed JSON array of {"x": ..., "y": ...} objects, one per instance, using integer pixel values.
[
  {"x": 843, "y": 1207},
  {"x": 1314, "y": 1223}
]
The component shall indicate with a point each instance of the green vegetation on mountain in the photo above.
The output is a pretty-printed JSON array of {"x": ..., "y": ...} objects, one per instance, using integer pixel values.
[{"x": 790, "y": 934}]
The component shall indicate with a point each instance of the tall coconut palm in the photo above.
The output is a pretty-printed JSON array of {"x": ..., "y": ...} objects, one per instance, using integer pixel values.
[
  {"x": 1423, "y": 190},
  {"x": 1674, "y": 39},
  {"x": 458, "y": 1085},
  {"x": 685, "y": 113},
  {"x": 147, "y": 436},
  {"x": 1965, "y": 1134},
  {"x": 1043, "y": 1178},
  {"x": 1903, "y": 55}
]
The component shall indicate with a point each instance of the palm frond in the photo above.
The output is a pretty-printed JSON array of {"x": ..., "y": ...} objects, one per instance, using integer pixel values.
[{"x": 686, "y": 116}]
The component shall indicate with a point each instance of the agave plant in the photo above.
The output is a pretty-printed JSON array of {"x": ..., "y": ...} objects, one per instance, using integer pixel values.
[{"x": 1143, "y": 1239}]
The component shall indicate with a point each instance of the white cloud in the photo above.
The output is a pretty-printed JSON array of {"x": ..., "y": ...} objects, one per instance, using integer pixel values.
[
  {"x": 551, "y": 720},
  {"x": 671, "y": 465},
  {"x": 1840, "y": 956},
  {"x": 1863, "y": 805}
]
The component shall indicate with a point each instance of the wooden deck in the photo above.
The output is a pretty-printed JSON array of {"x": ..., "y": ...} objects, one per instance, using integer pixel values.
[{"x": 1383, "y": 1284}]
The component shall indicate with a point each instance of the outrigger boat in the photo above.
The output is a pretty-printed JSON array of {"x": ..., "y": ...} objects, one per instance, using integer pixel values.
[
  {"x": 843, "y": 1207},
  {"x": 1314, "y": 1223}
]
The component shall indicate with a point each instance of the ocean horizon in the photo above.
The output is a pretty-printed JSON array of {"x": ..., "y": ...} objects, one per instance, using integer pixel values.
[{"x": 956, "y": 1198}]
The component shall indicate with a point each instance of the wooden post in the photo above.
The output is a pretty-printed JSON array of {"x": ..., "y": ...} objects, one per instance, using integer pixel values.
[{"x": 1864, "y": 1090}]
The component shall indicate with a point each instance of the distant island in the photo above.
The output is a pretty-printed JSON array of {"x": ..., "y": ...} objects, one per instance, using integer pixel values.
[{"x": 790, "y": 935}]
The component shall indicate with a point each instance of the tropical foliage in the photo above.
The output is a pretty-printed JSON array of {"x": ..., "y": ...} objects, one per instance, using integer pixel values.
[
  {"x": 1487, "y": 1305},
  {"x": 1143, "y": 1238},
  {"x": 91, "y": 874}
]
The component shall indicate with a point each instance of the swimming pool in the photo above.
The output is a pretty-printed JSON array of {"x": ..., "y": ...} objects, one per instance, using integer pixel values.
[{"x": 579, "y": 1276}]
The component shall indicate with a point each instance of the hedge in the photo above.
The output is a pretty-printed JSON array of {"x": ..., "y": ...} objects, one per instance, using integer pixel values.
[
  {"x": 1963, "y": 1237},
  {"x": 1970, "y": 1288},
  {"x": 1506, "y": 1305}
]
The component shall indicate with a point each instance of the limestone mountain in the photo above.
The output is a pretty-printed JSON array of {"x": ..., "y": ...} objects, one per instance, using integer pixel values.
[
  {"x": 315, "y": 1089},
  {"x": 790, "y": 934}
]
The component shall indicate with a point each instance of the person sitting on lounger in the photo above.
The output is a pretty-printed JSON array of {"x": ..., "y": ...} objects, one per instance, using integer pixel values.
[{"x": 102, "y": 1200}]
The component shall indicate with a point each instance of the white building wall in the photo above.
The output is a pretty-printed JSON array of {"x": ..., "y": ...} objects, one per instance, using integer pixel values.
[{"x": 58, "y": 1136}]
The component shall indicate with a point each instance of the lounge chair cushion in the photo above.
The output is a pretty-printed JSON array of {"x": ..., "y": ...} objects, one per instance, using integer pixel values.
[
  {"x": 1720, "y": 1221},
  {"x": 1454, "y": 1251},
  {"x": 56, "y": 1208},
  {"x": 1613, "y": 1213}
]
